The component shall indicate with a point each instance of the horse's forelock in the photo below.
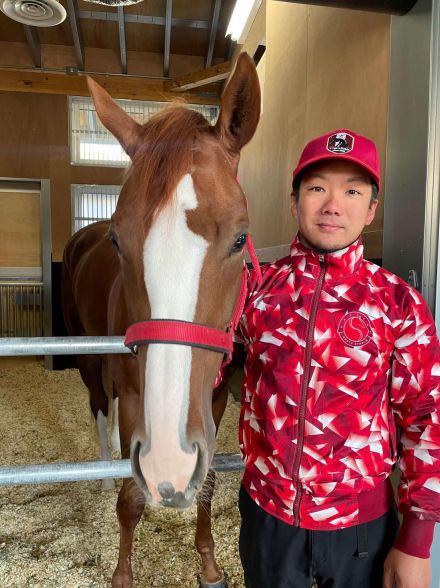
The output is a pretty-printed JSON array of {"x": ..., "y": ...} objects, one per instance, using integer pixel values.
[{"x": 165, "y": 154}]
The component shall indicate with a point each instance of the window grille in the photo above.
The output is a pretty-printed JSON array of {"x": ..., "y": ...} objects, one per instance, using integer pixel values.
[
  {"x": 92, "y": 144},
  {"x": 21, "y": 308},
  {"x": 91, "y": 203}
]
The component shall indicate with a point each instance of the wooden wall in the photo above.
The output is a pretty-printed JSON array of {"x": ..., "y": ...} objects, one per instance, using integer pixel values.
[
  {"x": 34, "y": 143},
  {"x": 326, "y": 68},
  {"x": 20, "y": 234}
]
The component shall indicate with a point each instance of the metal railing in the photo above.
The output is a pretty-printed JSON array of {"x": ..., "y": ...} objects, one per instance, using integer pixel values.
[
  {"x": 13, "y": 346},
  {"x": 81, "y": 471},
  {"x": 21, "y": 308},
  {"x": 93, "y": 470}
]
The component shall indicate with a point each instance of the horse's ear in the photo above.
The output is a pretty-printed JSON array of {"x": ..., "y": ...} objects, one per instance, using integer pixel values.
[
  {"x": 240, "y": 106},
  {"x": 114, "y": 118}
]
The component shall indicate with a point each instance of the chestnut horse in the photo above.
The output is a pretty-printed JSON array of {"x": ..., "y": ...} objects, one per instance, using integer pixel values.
[{"x": 172, "y": 250}]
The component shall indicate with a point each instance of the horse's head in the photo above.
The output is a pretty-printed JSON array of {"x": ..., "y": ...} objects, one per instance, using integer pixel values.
[{"x": 179, "y": 228}]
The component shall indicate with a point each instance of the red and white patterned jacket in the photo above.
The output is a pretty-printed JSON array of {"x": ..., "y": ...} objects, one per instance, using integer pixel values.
[{"x": 340, "y": 352}]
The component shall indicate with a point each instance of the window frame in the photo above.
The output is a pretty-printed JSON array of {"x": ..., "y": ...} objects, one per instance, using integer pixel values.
[{"x": 142, "y": 103}]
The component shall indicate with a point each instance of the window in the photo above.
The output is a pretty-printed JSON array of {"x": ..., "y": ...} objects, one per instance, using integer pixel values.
[
  {"x": 92, "y": 144},
  {"x": 91, "y": 203}
]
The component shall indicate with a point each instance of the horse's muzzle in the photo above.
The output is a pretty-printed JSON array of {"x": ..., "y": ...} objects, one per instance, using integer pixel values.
[{"x": 164, "y": 492}]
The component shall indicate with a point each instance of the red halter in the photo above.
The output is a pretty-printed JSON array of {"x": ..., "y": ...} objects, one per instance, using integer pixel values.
[{"x": 193, "y": 334}]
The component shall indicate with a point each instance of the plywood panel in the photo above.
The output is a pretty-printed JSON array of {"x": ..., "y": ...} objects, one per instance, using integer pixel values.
[
  {"x": 34, "y": 144},
  {"x": 358, "y": 100},
  {"x": 102, "y": 34},
  {"x": 20, "y": 240},
  {"x": 264, "y": 169},
  {"x": 11, "y": 30},
  {"x": 146, "y": 8},
  {"x": 326, "y": 68},
  {"x": 60, "y": 34},
  {"x": 15, "y": 53}
]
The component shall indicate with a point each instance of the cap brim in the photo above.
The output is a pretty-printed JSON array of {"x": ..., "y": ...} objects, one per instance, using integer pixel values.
[{"x": 346, "y": 157}]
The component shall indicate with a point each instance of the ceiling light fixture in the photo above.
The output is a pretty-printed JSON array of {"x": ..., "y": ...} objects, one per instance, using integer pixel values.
[{"x": 242, "y": 19}]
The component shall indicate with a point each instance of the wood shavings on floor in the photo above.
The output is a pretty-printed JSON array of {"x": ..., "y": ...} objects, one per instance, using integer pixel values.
[{"x": 66, "y": 535}]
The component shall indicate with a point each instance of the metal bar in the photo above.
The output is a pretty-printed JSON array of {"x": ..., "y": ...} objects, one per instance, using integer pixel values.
[
  {"x": 28, "y": 313},
  {"x": 8, "y": 311},
  {"x": 230, "y": 50},
  {"x": 2, "y": 310},
  {"x": 72, "y": 7},
  {"x": 167, "y": 42},
  {"x": 33, "y": 42},
  {"x": 15, "y": 298},
  {"x": 46, "y": 257},
  {"x": 61, "y": 345},
  {"x": 217, "y": 4},
  {"x": 20, "y": 283},
  {"x": 93, "y": 470},
  {"x": 122, "y": 42},
  {"x": 34, "y": 309},
  {"x": 388, "y": 6},
  {"x": 142, "y": 19}
]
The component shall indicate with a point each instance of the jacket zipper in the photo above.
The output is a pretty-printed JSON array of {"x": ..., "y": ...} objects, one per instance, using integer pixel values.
[{"x": 304, "y": 388}]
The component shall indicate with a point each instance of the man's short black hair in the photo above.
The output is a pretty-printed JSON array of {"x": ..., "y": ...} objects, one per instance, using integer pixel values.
[{"x": 298, "y": 179}]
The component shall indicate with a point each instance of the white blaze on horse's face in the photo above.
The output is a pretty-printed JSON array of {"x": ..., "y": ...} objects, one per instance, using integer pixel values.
[{"x": 173, "y": 261}]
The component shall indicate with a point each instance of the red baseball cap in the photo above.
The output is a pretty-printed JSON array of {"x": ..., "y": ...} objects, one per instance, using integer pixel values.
[{"x": 342, "y": 144}]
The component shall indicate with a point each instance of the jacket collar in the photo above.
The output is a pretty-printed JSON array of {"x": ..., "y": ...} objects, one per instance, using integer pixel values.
[{"x": 338, "y": 264}]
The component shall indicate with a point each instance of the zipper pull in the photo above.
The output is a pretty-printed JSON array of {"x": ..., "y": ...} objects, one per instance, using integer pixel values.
[{"x": 321, "y": 259}]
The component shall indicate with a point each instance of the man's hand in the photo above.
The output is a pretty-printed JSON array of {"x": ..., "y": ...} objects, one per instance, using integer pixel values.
[{"x": 406, "y": 571}]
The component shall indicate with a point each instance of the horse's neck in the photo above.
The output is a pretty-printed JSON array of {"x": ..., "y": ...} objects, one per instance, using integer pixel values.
[{"x": 117, "y": 313}]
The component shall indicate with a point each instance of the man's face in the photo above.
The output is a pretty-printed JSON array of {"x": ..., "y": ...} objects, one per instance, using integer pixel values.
[{"x": 334, "y": 205}]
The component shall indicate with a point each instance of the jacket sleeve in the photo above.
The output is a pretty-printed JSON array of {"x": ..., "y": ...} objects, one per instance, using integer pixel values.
[{"x": 415, "y": 401}]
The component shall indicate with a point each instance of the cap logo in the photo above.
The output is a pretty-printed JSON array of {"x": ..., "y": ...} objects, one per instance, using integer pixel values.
[
  {"x": 355, "y": 329},
  {"x": 340, "y": 143}
]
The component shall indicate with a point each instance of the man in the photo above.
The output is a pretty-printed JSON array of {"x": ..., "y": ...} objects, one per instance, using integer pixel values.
[{"x": 341, "y": 381}]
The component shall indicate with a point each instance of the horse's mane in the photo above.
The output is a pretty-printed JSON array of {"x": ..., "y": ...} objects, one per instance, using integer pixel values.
[{"x": 167, "y": 142}]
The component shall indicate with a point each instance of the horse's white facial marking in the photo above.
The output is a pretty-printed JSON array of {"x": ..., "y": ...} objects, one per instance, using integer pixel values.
[{"x": 173, "y": 261}]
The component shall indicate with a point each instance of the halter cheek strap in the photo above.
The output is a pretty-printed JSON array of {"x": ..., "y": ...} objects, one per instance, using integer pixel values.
[{"x": 193, "y": 334}]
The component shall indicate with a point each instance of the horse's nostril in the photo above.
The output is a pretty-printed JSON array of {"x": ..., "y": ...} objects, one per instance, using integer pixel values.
[{"x": 166, "y": 490}]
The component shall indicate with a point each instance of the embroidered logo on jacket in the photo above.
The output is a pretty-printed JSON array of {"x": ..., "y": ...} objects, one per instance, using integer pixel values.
[
  {"x": 340, "y": 143},
  {"x": 355, "y": 329}
]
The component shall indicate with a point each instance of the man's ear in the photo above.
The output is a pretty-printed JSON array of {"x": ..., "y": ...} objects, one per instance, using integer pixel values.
[
  {"x": 371, "y": 211},
  {"x": 293, "y": 206}
]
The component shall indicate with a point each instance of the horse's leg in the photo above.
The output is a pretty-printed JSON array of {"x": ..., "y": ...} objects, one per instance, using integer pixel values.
[
  {"x": 211, "y": 576},
  {"x": 131, "y": 504},
  {"x": 131, "y": 501},
  {"x": 90, "y": 367}
]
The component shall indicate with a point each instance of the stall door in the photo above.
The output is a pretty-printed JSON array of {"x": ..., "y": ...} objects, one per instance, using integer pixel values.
[{"x": 20, "y": 264}]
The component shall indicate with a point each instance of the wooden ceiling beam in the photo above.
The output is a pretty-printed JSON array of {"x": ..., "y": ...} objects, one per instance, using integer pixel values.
[
  {"x": 167, "y": 40},
  {"x": 33, "y": 42},
  {"x": 199, "y": 78},
  {"x": 216, "y": 6},
  {"x": 75, "y": 85},
  {"x": 72, "y": 9},
  {"x": 122, "y": 41}
]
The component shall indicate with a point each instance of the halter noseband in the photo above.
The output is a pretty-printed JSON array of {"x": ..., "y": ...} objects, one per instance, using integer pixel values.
[{"x": 193, "y": 334}]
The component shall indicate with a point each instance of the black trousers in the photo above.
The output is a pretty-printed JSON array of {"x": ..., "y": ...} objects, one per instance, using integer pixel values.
[{"x": 277, "y": 555}]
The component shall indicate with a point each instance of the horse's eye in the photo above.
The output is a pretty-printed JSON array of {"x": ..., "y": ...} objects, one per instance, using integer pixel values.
[
  {"x": 240, "y": 242},
  {"x": 114, "y": 242}
]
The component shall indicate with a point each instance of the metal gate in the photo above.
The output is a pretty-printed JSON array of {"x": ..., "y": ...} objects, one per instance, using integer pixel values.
[
  {"x": 21, "y": 308},
  {"x": 93, "y": 470}
]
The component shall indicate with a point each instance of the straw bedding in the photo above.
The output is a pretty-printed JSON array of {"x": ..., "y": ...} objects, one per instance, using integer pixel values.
[{"x": 66, "y": 535}]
